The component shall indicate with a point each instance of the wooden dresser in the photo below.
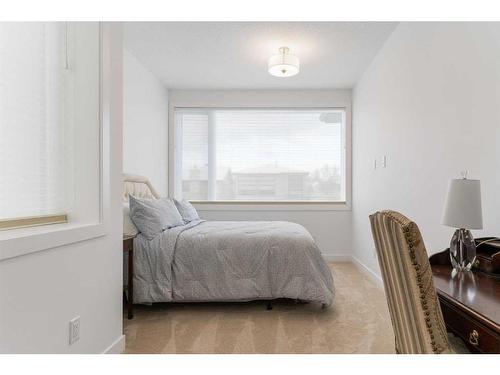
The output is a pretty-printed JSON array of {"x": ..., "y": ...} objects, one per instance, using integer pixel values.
[{"x": 470, "y": 302}]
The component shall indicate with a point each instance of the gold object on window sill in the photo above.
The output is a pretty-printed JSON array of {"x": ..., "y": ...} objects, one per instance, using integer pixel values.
[{"x": 32, "y": 221}]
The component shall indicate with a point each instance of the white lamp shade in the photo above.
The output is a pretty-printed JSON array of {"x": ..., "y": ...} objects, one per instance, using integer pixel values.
[
  {"x": 462, "y": 208},
  {"x": 283, "y": 64}
]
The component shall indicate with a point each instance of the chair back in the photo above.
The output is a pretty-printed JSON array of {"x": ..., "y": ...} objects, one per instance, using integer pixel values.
[{"x": 413, "y": 305}]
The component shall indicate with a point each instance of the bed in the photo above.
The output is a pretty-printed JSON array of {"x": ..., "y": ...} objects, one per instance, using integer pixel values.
[{"x": 216, "y": 261}]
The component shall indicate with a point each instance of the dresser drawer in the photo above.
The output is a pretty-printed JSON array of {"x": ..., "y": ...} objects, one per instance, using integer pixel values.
[{"x": 478, "y": 337}]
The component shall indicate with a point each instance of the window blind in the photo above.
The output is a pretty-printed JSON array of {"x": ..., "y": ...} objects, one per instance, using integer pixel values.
[
  {"x": 36, "y": 119},
  {"x": 261, "y": 154}
]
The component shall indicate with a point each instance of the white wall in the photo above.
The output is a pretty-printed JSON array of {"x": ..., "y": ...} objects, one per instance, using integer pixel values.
[
  {"x": 430, "y": 102},
  {"x": 42, "y": 291},
  {"x": 331, "y": 229},
  {"x": 145, "y": 111}
]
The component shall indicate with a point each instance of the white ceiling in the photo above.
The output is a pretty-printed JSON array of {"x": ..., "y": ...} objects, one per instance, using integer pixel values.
[{"x": 233, "y": 55}]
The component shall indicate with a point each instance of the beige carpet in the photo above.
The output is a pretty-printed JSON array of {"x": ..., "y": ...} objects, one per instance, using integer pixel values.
[{"x": 357, "y": 323}]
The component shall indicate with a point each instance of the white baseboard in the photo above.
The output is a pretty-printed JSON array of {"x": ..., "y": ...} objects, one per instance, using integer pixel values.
[
  {"x": 117, "y": 347},
  {"x": 337, "y": 257},
  {"x": 367, "y": 271},
  {"x": 359, "y": 265}
]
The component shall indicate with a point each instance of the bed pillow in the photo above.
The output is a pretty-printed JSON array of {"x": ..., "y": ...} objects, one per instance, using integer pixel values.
[
  {"x": 129, "y": 229},
  {"x": 187, "y": 211},
  {"x": 153, "y": 216}
]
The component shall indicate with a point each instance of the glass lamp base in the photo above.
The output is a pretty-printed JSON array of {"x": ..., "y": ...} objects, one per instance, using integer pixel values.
[{"x": 462, "y": 250}]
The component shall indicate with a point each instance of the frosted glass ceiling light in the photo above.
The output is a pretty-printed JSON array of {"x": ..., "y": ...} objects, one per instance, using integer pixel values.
[{"x": 284, "y": 64}]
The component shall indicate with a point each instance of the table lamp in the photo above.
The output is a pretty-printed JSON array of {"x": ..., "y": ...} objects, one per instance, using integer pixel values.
[{"x": 462, "y": 210}]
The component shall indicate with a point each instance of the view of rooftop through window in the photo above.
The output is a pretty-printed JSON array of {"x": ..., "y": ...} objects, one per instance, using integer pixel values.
[{"x": 261, "y": 154}]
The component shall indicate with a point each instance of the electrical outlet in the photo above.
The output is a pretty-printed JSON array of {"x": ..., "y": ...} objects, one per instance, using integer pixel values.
[{"x": 74, "y": 330}]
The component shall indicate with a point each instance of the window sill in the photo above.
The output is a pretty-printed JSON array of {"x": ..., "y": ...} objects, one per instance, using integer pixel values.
[
  {"x": 270, "y": 206},
  {"x": 22, "y": 241}
]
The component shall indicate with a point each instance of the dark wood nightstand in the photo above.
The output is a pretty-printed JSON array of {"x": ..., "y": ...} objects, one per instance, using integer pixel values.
[
  {"x": 128, "y": 247},
  {"x": 470, "y": 303}
]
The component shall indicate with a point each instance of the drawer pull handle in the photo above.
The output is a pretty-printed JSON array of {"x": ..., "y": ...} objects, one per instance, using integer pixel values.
[{"x": 474, "y": 338}]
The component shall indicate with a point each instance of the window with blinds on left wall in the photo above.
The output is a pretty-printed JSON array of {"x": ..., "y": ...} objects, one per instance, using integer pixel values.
[{"x": 49, "y": 88}]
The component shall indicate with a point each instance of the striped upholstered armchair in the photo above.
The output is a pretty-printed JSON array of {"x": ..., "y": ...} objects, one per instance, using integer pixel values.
[{"x": 413, "y": 305}]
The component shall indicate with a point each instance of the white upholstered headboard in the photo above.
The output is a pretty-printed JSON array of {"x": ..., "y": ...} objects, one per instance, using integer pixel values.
[{"x": 138, "y": 186}]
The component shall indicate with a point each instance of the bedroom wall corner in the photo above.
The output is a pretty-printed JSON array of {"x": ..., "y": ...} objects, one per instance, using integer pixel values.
[
  {"x": 145, "y": 123},
  {"x": 432, "y": 111}
]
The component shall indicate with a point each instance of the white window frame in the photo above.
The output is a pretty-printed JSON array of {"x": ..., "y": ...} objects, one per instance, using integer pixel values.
[
  {"x": 22, "y": 241},
  {"x": 173, "y": 139}
]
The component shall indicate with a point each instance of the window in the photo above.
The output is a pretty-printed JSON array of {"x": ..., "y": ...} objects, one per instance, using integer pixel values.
[
  {"x": 49, "y": 111},
  {"x": 264, "y": 155}
]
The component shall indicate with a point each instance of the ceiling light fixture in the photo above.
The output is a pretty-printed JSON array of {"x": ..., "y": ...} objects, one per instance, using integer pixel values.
[{"x": 283, "y": 64}]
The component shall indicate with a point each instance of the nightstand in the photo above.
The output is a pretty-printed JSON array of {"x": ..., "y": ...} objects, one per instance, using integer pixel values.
[{"x": 128, "y": 247}]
